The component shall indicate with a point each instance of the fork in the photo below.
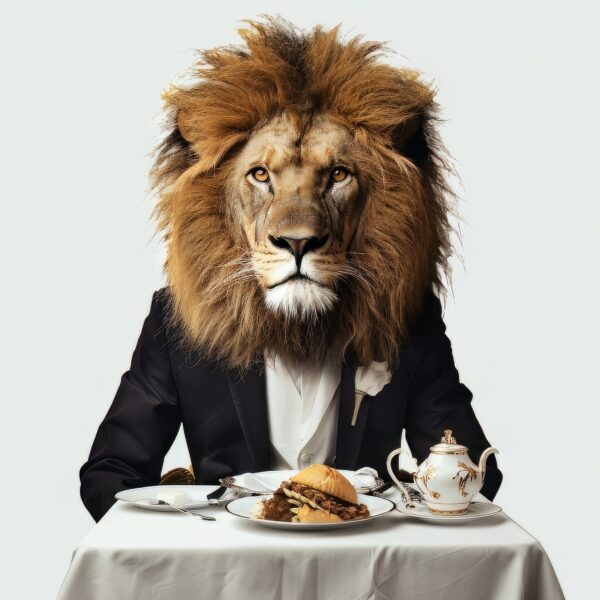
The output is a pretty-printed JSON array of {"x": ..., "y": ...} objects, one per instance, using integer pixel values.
[
  {"x": 183, "y": 510},
  {"x": 229, "y": 483}
]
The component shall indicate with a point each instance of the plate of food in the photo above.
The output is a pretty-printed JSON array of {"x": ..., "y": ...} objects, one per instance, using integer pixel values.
[{"x": 316, "y": 498}]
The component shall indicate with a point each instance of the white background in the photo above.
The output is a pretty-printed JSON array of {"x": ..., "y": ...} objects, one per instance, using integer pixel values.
[{"x": 80, "y": 100}]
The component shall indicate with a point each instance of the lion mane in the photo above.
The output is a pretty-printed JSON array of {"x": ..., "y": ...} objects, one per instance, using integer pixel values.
[{"x": 404, "y": 243}]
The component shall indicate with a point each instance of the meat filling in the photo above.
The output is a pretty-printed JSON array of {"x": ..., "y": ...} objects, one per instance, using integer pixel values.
[{"x": 279, "y": 507}]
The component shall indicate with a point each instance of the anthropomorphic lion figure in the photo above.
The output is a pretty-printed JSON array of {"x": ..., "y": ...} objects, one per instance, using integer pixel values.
[{"x": 303, "y": 199}]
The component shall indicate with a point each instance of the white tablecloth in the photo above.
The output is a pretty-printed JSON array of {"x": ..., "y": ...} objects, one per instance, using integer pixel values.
[{"x": 133, "y": 553}]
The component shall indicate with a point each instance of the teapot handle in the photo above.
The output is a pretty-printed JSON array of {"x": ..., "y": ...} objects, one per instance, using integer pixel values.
[
  {"x": 401, "y": 487},
  {"x": 483, "y": 460}
]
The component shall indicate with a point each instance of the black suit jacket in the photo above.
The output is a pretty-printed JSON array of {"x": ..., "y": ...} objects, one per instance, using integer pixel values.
[{"x": 225, "y": 418}]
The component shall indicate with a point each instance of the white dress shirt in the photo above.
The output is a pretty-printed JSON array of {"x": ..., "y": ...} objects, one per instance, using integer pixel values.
[{"x": 302, "y": 405}]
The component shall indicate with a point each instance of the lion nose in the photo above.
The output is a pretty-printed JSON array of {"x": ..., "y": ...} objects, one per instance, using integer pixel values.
[{"x": 298, "y": 247}]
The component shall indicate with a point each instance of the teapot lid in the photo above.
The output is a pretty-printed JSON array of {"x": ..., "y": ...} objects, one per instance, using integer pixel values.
[{"x": 448, "y": 445}]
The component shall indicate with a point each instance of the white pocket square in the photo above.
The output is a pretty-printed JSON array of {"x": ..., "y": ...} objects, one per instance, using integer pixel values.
[{"x": 369, "y": 381}]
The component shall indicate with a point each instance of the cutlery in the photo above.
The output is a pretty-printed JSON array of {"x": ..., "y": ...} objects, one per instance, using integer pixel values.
[
  {"x": 382, "y": 487},
  {"x": 216, "y": 495},
  {"x": 415, "y": 495},
  {"x": 229, "y": 483},
  {"x": 183, "y": 510}
]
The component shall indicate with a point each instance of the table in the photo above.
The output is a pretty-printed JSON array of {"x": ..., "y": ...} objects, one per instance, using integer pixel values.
[{"x": 133, "y": 553}]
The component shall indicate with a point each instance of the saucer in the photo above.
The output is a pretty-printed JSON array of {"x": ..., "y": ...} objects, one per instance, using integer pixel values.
[{"x": 477, "y": 510}]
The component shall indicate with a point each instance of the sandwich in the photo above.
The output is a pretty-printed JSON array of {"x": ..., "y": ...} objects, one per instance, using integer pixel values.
[{"x": 317, "y": 494}]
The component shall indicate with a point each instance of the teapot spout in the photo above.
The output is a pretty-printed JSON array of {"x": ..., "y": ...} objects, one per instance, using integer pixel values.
[{"x": 483, "y": 460}]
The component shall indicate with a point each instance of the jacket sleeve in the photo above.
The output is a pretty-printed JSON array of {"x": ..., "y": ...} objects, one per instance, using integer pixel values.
[
  {"x": 140, "y": 425},
  {"x": 438, "y": 400}
]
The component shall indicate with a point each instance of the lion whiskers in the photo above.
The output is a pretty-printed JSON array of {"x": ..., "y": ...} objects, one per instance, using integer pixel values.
[
  {"x": 307, "y": 299},
  {"x": 352, "y": 272},
  {"x": 298, "y": 299},
  {"x": 241, "y": 270}
]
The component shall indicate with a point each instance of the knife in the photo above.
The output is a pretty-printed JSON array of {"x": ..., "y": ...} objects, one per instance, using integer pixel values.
[{"x": 214, "y": 497}]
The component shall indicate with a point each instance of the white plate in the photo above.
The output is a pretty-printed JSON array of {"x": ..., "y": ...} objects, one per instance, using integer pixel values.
[
  {"x": 269, "y": 481},
  {"x": 477, "y": 510},
  {"x": 242, "y": 507},
  {"x": 196, "y": 493}
]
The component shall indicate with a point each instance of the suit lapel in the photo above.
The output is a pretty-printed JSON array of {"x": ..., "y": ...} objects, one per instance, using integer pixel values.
[
  {"x": 249, "y": 398},
  {"x": 349, "y": 438}
]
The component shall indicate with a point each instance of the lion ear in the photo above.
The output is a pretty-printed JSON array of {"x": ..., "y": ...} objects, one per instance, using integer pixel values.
[
  {"x": 185, "y": 126},
  {"x": 408, "y": 138}
]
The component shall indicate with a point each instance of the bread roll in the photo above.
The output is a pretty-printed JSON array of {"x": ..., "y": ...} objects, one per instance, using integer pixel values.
[
  {"x": 308, "y": 515},
  {"x": 327, "y": 480}
]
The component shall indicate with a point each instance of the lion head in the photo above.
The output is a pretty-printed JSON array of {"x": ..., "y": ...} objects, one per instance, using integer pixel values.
[{"x": 302, "y": 198}]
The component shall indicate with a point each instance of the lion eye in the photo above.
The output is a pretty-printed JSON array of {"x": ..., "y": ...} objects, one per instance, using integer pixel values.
[
  {"x": 260, "y": 174},
  {"x": 339, "y": 174}
]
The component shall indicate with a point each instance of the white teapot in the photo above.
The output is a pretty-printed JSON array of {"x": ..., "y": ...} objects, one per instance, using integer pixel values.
[{"x": 447, "y": 478}]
